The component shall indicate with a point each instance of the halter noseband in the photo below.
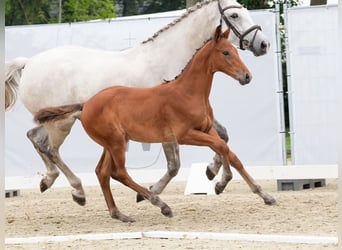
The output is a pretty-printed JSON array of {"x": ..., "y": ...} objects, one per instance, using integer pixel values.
[{"x": 232, "y": 27}]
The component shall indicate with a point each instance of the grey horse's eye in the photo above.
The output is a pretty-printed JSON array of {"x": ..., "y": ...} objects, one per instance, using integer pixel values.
[
  {"x": 225, "y": 52},
  {"x": 234, "y": 15}
]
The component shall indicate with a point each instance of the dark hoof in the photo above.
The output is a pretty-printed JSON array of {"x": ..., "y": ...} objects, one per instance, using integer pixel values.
[
  {"x": 126, "y": 219},
  {"x": 80, "y": 201},
  {"x": 43, "y": 187},
  {"x": 119, "y": 216},
  {"x": 218, "y": 188},
  {"x": 140, "y": 197},
  {"x": 270, "y": 201},
  {"x": 166, "y": 210},
  {"x": 210, "y": 174}
]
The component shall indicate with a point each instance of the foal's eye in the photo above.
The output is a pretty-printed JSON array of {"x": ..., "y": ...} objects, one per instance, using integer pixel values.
[
  {"x": 226, "y": 53},
  {"x": 234, "y": 15}
]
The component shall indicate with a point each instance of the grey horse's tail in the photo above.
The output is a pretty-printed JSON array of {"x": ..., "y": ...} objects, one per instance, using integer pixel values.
[
  {"x": 58, "y": 113},
  {"x": 12, "y": 78}
]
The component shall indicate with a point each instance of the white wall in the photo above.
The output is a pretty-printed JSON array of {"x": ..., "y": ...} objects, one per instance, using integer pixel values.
[
  {"x": 250, "y": 113},
  {"x": 314, "y": 88}
]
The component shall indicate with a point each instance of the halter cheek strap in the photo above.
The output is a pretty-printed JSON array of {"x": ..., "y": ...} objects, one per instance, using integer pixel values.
[{"x": 234, "y": 29}]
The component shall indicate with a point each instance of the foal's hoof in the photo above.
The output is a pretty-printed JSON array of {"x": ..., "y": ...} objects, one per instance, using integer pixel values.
[
  {"x": 166, "y": 210},
  {"x": 218, "y": 188},
  {"x": 140, "y": 197},
  {"x": 119, "y": 216},
  {"x": 43, "y": 186},
  {"x": 79, "y": 200},
  {"x": 126, "y": 219},
  {"x": 210, "y": 174}
]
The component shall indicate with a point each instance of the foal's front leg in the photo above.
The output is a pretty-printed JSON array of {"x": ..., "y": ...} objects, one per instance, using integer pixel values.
[
  {"x": 226, "y": 177},
  {"x": 212, "y": 140},
  {"x": 254, "y": 186}
]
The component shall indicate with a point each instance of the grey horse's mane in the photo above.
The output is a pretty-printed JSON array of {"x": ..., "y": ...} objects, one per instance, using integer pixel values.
[
  {"x": 186, "y": 14},
  {"x": 189, "y": 62}
]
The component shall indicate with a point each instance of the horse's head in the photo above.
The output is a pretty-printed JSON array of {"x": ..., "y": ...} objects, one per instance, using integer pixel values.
[
  {"x": 246, "y": 34},
  {"x": 224, "y": 57}
]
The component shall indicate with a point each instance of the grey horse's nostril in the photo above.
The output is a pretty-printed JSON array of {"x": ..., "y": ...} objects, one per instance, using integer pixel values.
[{"x": 264, "y": 45}]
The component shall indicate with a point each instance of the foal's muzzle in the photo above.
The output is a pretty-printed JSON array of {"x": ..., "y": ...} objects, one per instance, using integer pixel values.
[{"x": 245, "y": 78}]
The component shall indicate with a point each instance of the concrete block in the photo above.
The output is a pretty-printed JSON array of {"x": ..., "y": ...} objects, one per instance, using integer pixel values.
[
  {"x": 11, "y": 193},
  {"x": 198, "y": 182},
  {"x": 299, "y": 184}
]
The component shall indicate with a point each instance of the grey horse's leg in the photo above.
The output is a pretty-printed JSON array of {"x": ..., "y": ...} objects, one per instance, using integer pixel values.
[
  {"x": 214, "y": 167},
  {"x": 47, "y": 140},
  {"x": 39, "y": 138},
  {"x": 227, "y": 175},
  {"x": 171, "y": 150}
]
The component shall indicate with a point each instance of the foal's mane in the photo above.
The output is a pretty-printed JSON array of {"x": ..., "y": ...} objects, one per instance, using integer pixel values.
[{"x": 173, "y": 23}]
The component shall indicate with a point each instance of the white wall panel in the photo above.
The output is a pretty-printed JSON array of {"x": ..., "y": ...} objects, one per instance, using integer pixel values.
[
  {"x": 312, "y": 35},
  {"x": 250, "y": 113}
]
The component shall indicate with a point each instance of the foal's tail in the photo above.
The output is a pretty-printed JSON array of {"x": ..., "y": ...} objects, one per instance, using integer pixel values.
[
  {"x": 58, "y": 113},
  {"x": 12, "y": 77}
]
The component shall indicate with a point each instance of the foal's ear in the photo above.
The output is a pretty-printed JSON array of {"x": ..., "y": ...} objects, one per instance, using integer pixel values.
[
  {"x": 218, "y": 33},
  {"x": 226, "y": 33}
]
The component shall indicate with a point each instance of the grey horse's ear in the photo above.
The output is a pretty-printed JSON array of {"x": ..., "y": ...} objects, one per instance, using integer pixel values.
[
  {"x": 218, "y": 33},
  {"x": 226, "y": 33}
]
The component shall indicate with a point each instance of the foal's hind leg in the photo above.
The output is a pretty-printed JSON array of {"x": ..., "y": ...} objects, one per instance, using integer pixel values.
[
  {"x": 103, "y": 172},
  {"x": 119, "y": 173},
  {"x": 171, "y": 150},
  {"x": 214, "y": 167}
]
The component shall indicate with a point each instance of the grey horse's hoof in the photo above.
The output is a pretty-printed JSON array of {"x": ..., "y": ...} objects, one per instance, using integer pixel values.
[
  {"x": 270, "y": 201},
  {"x": 43, "y": 186},
  {"x": 218, "y": 188},
  {"x": 210, "y": 174},
  {"x": 166, "y": 210},
  {"x": 79, "y": 200}
]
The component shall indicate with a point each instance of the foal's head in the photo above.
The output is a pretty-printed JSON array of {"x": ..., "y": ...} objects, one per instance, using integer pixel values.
[{"x": 225, "y": 58}]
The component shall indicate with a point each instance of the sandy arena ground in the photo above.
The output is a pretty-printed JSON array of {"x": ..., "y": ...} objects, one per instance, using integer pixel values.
[{"x": 237, "y": 210}]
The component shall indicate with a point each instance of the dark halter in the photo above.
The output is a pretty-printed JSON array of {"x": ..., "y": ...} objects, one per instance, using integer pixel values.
[{"x": 234, "y": 29}]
